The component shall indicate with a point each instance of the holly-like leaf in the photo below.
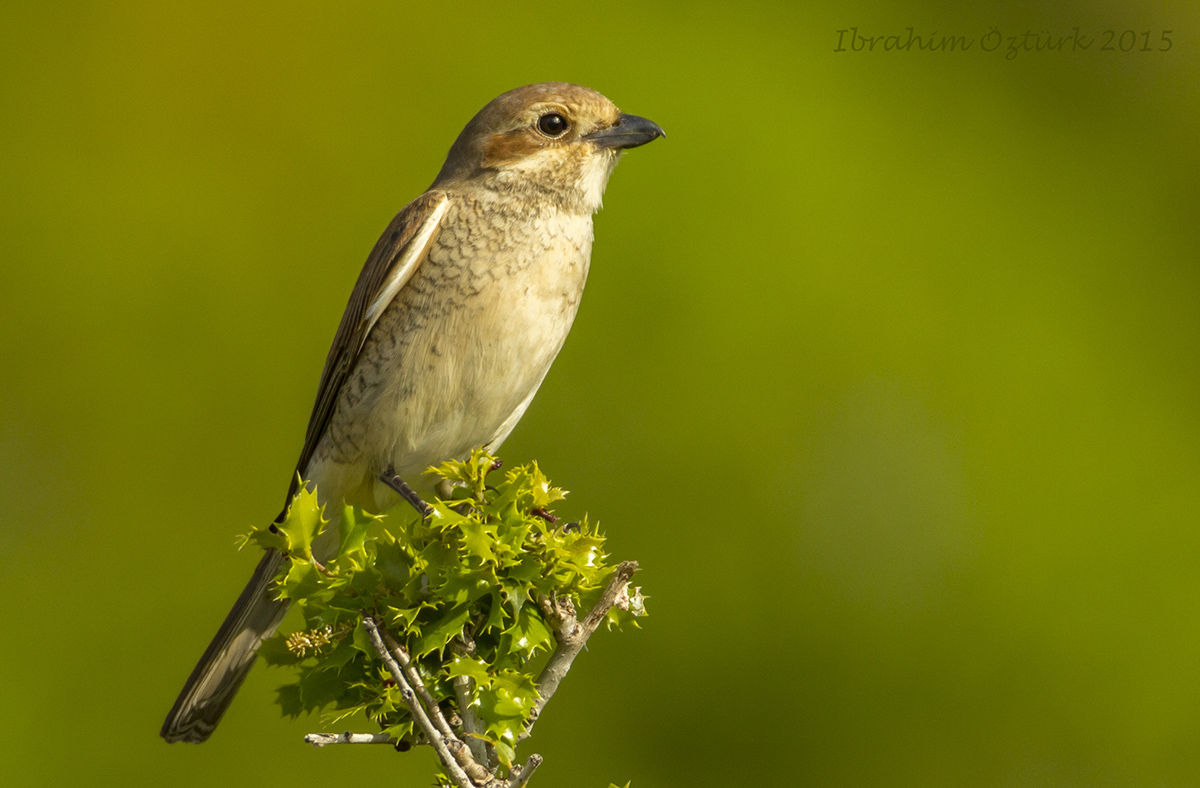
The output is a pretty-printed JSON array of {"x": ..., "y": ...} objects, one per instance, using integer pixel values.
[
  {"x": 495, "y": 618},
  {"x": 320, "y": 688},
  {"x": 302, "y": 580},
  {"x": 437, "y": 635},
  {"x": 352, "y": 535},
  {"x": 529, "y": 634},
  {"x": 469, "y": 575},
  {"x": 303, "y": 523},
  {"x": 505, "y": 704},
  {"x": 470, "y": 667},
  {"x": 287, "y": 698},
  {"x": 401, "y": 730},
  {"x": 339, "y": 655},
  {"x": 267, "y": 537},
  {"x": 479, "y": 540},
  {"x": 463, "y": 587},
  {"x": 394, "y": 564}
]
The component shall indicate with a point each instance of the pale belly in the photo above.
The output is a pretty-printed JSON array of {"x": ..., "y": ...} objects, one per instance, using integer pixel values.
[{"x": 455, "y": 360}]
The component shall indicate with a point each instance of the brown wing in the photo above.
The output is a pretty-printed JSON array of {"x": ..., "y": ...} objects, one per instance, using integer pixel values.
[{"x": 396, "y": 255}]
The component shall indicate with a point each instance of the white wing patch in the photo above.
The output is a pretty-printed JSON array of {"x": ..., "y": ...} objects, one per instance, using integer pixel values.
[{"x": 405, "y": 267}]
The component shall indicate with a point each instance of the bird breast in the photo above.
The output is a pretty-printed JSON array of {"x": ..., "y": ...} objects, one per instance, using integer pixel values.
[{"x": 459, "y": 353}]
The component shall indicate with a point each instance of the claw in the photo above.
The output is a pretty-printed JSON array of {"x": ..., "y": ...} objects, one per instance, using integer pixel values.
[{"x": 389, "y": 478}]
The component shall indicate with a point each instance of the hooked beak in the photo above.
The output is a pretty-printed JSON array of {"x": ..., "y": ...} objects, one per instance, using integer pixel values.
[{"x": 629, "y": 131}]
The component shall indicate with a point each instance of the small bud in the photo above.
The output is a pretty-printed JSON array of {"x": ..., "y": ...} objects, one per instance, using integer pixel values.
[{"x": 637, "y": 602}]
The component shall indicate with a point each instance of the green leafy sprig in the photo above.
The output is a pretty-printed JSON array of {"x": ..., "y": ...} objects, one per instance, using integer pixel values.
[{"x": 475, "y": 590}]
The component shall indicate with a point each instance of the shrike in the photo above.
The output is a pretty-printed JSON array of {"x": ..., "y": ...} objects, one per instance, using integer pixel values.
[{"x": 453, "y": 323}]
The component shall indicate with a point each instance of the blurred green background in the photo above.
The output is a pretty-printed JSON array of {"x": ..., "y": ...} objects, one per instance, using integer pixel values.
[{"x": 887, "y": 373}]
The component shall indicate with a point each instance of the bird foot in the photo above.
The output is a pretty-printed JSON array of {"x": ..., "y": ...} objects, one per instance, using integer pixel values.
[{"x": 393, "y": 481}]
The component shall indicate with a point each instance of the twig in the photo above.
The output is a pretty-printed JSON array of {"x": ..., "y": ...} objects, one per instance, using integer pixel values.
[
  {"x": 464, "y": 755},
  {"x": 463, "y": 687},
  {"x": 414, "y": 680},
  {"x": 440, "y": 745},
  {"x": 525, "y": 772},
  {"x": 469, "y": 761},
  {"x": 572, "y": 635},
  {"x": 320, "y": 740},
  {"x": 321, "y": 568}
]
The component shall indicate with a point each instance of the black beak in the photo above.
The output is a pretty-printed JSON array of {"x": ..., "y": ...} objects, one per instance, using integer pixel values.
[{"x": 628, "y": 132}]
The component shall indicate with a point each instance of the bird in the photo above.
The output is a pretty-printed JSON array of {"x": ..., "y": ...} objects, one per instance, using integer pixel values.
[{"x": 454, "y": 321}]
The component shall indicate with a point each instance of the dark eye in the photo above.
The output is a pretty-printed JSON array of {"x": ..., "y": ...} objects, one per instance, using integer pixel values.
[{"x": 553, "y": 125}]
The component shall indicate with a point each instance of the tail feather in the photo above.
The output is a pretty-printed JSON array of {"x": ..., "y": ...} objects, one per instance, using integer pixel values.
[{"x": 228, "y": 658}]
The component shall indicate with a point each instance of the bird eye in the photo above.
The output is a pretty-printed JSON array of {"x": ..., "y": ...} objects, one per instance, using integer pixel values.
[{"x": 553, "y": 125}]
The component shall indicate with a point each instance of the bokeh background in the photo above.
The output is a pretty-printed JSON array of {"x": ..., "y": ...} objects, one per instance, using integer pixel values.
[{"x": 887, "y": 373}]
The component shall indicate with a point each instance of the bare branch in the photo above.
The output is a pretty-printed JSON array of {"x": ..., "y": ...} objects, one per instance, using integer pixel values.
[
  {"x": 456, "y": 706},
  {"x": 440, "y": 745},
  {"x": 462, "y": 753},
  {"x": 414, "y": 680},
  {"x": 320, "y": 740},
  {"x": 464, "y": 686},
  {"x": 525, "y": 772},
  {"x": 472, "y": 727},
  {"x": 573, "y": 634}
]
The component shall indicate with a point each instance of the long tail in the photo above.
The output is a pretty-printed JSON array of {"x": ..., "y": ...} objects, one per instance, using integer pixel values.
[{"x": 228, "y": 658}]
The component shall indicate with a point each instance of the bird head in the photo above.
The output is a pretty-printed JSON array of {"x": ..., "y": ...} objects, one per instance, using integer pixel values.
[{"x": 552, "y": 144}]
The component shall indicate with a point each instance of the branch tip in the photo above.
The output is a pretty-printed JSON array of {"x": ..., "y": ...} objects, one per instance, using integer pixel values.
[
  {"x": 319, "y": 740},
  {"x": 572, "y": 635},
  {"x": 525, "y": 772}
]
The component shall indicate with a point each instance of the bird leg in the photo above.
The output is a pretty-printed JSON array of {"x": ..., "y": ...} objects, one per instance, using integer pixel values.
[{"x": 393, "y": 481}]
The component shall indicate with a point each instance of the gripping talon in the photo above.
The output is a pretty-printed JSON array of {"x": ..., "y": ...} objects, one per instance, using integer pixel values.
[{"x": 407, "y": 493}]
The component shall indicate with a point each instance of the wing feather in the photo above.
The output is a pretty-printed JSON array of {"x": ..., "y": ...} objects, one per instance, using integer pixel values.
[{"x": 391, "y": 264}]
